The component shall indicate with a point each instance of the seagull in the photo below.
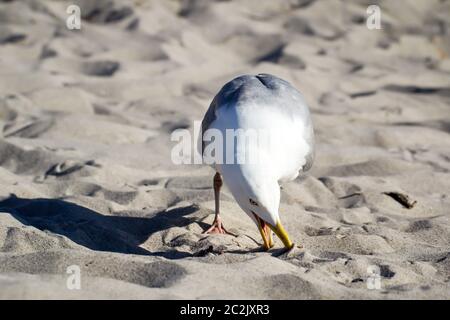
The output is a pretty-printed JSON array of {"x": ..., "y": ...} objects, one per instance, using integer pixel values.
[{"x": 272, "y": 108}]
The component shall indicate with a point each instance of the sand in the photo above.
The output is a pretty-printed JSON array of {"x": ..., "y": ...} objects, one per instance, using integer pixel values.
[{"x": 86, "y": 177}]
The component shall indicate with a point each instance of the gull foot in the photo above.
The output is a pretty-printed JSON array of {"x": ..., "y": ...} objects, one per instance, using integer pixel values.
[{"x": 217, "y": 228}]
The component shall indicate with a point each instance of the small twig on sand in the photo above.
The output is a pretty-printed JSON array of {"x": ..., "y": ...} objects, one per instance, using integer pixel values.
[
  {"x": 401, "y": 198},
  {"x": 350, "y": 195}
]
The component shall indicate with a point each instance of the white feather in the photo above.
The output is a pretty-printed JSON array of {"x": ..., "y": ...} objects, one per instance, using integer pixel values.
[{"x": 278, "y": 158}]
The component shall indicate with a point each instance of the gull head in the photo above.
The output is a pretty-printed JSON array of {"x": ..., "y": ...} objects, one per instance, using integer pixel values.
[{"x": 258, "y": 194}]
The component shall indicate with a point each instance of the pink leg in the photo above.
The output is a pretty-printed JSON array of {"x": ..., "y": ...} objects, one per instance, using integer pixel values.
[{"x": 217, "y": 226}]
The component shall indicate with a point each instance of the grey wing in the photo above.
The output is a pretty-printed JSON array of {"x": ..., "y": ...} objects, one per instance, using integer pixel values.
[
  {"x": 229, "y": 94},
  {"x": 209, "y": 118}
]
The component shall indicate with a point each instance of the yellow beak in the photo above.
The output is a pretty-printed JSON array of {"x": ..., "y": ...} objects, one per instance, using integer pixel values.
[{"x": 266, "y": 234}]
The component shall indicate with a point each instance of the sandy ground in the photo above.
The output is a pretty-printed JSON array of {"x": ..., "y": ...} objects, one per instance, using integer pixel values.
[{"x": 86, "y": 176}]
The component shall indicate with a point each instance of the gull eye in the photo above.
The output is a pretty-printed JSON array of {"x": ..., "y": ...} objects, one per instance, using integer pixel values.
[{"x": 253, "y": 202}]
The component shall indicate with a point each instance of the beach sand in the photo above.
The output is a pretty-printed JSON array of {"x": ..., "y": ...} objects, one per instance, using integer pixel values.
[{"x": 86, "y": 176}]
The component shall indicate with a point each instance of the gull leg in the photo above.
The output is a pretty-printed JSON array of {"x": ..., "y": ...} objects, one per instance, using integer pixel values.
[{"x": 217, "y": 226}]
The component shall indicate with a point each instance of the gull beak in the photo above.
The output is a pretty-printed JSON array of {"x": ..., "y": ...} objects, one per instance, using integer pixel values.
[{"x": 266, "y": 234}]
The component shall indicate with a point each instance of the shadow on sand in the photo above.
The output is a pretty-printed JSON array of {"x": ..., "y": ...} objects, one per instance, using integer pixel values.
[{"x": 94, "y": 230}]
